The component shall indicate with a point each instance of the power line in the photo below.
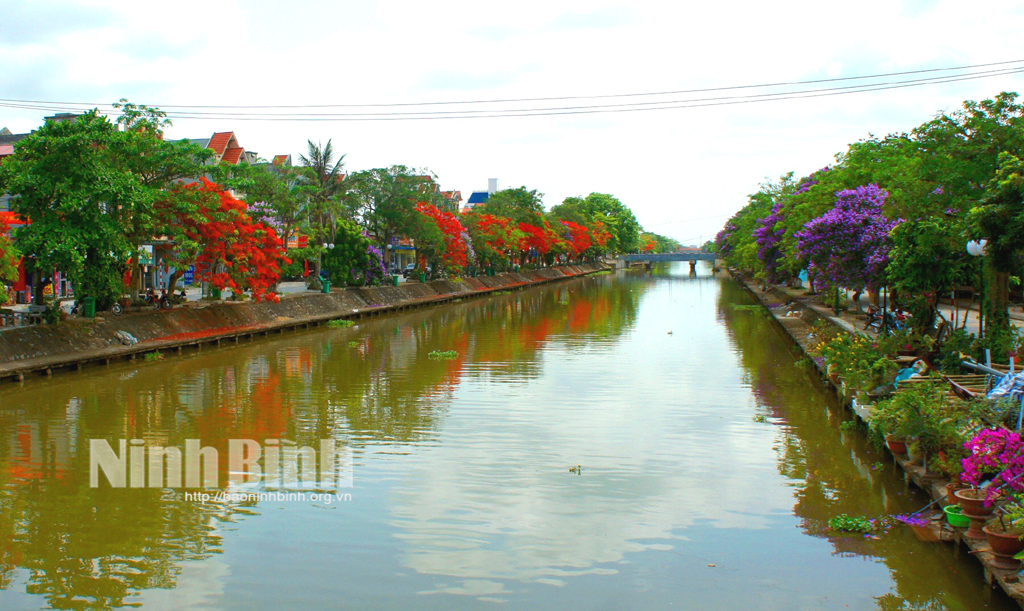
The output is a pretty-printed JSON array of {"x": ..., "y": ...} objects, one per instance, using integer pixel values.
[
  {"x": 626, "y": 105},
  {"x": 571, "y": 110},
  {"x": 548, "y": 99}
]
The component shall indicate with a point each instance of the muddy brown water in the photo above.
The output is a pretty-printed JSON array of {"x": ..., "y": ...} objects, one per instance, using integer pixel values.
[{"x": 709, "y": 462}]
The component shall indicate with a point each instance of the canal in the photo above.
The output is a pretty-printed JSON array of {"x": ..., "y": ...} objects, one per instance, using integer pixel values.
[{"x": 621, "y": 441}]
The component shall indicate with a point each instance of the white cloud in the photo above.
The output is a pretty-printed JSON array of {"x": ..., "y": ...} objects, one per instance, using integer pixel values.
[{"x": 668, "y": 165}]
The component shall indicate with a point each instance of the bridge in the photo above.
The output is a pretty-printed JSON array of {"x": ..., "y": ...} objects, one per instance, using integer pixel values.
[
  {"x": 648, "y": 258},
  {"x": 669, "y": 256}
]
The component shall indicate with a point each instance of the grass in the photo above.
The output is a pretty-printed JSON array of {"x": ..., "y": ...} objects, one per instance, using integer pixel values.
[
  {"x": 353, "y": 344},
  {"x": 443, "y": 355},
  {"x": 848, "y": 425},
  {"x": 340, "y": 323},
  {"x": 501, "y": 292},
  {"x": 152, "y": 356}
]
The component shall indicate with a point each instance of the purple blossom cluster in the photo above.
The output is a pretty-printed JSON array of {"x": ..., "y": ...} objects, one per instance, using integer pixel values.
[
  {"x": 722, "y": 239},
  {"x": 849, "y": 245},
  {"x": 997, "y": 452},
  {"x": 263, "y": 211},
  {"x": 806, "y": 184},
  {"x": 768, "y": 235},
  {"x": 470, "y": 253},
  {"x": 376, "y": 271}
]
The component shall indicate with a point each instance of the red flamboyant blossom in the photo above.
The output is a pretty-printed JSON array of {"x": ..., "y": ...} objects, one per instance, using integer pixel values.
[
  {"x": 235, "y": 251},
  {"x": 539, "y": 236},
  {"x": 600, "y": 234},
  {"x": 454, "y": 246},
  {"x": 579, "y": 238}
]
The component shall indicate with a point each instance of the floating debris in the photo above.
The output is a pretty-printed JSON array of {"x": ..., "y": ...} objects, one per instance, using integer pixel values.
[
  {"x": 341, "y": 323},
  {"x": 443, "y": 355}
]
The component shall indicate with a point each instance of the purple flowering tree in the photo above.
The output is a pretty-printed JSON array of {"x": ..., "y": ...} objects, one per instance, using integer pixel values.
[
  {"x": 998, "y": 453},
  {"x": 849, "y": 245},
  {"x": 768, "y": 236},
  {"x": 722, "y": 245}
]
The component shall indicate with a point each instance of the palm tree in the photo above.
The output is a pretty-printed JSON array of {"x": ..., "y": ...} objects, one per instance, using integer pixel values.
[{"x": 324, "y": 177}]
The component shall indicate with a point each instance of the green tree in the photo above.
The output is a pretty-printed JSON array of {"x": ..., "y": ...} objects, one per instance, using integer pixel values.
[
  {"x": 1000, "y": 218},
  {"x": 608, "y": 210},
  {"x": 88, "y": 186},
  {"x": 82, "y": 207},
  {"x": 926, "y": 259},
  {"x": 519, "y": 204},
  {"x": 384, "y": 201}
]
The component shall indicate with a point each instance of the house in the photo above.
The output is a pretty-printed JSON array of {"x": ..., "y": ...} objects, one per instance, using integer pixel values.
[
  {"x": 479, "y": 197},
  {"x": 7, "y": 140},
  {"x": 226, "y": 149},
  {"x": 454, "y": 200}
]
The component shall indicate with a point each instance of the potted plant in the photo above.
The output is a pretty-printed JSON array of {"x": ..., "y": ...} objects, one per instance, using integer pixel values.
[
  {"x": 923, "y": 414},
  {"x": 1005, "y": 532},
  {"x": 992, "y": 453},
  {"x": 947, "y": 463}
]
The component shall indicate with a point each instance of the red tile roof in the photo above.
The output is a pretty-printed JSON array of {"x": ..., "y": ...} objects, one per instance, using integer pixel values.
[
  {"x": 280, "y": 159},
  {"x": 232, "y": 155},
  {"x": 219, "y": 141}
]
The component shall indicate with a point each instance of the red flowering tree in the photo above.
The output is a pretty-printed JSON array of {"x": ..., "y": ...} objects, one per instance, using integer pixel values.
[
  {"x": 9, "y": 257},
  {"x": 455, "y": 246},
  {"x": 213, "y": 229},
  {"x": 493, "y": 237},
  {"x": 539, "y": 237},
  {"x": 600, "y": 237},
  {"x": 578, "y": 239}
]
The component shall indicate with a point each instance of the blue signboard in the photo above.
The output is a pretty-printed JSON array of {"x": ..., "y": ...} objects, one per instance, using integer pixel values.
[{"x": 190, "y": 274}]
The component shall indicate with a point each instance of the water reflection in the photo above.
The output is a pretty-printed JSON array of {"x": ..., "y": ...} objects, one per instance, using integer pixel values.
[
  {"x": 464, "y": 495},
  {"x": 835, "y": 472},
  {"x": 371, "y": 384}
]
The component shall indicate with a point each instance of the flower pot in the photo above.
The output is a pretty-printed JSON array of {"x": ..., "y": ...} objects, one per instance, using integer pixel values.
[
  {"x": 951, "y": 488},
  {"x": 955, "y": 517},
  {"x": 895, "y": 444},
  {"x": 972, "y": 505},
  {"x": 1004, "y": 548}
]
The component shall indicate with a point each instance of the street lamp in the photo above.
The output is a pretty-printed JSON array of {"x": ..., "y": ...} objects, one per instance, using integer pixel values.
[{"x": 976, "y": 248}]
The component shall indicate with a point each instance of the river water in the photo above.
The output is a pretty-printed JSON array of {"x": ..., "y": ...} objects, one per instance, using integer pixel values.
[{"x": 622, "y": 441}]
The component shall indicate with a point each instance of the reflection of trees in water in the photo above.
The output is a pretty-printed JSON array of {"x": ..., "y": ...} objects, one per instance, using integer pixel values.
[
  {"x": 89, "y": 548},
  {"x": 834, "y": 469},
  {"x": 95, "y": 548}
]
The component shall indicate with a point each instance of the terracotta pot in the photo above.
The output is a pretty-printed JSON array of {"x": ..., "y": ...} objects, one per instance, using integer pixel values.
[
  {"x": 895, "y": 445},
  {"x": 972, "y": 502},
  {"x": 1004, "y": 548},
  {"x": 951, "y": 488}
]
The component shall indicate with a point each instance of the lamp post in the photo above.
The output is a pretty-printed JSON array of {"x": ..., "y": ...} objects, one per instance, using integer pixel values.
[{"x": 976, "y": 248}]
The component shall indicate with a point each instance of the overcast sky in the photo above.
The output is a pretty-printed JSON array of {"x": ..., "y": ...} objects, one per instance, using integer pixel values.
[{"x": 672, "y": 167}]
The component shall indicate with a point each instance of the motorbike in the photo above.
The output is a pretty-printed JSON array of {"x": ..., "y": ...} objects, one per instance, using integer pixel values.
[{"x": 892, "y": 321}]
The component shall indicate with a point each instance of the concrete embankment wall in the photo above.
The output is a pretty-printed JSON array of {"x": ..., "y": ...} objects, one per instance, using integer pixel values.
[{"x": 74, "y": 343}]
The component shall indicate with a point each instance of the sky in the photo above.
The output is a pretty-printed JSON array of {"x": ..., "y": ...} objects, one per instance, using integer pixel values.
[{"x": 683, "y": 171}]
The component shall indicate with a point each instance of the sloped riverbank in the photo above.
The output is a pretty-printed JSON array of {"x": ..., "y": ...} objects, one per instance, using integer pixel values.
[{"x": 75, "y": 343}]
